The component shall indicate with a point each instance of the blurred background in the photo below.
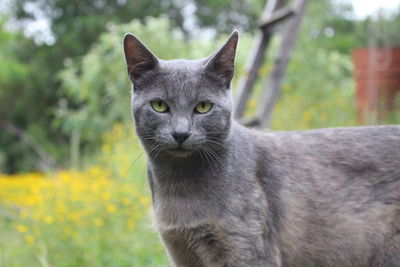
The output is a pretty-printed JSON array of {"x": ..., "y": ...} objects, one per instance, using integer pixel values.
[{"x": 73, "y": 189}]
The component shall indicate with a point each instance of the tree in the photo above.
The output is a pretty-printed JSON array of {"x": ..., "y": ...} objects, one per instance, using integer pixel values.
[{"x": 20, "y": 118}]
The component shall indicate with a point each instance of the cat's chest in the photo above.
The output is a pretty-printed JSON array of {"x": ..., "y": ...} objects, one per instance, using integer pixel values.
[
  {"x": 175, "y": 212},
  {"x": 222, "y": 200},
  {"x": 219, "y": 209},
  {"x": 205, "y": 220}
]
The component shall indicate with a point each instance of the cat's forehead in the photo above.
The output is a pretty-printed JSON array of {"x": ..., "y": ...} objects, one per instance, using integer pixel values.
[
  {"x": 180, "y": 79},
  {"x": 181, "y": 65},
  {"x": 180, "y": 73}
]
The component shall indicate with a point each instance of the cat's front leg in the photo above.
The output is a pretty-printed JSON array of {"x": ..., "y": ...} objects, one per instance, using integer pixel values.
[
  {"x": 243, "y": 258},
  {"x": 255, "y": 256},
  {"x": 179, "y": 252},
  {"x": 247, "y": 246},
  {"x": 208, "y": 246},
  {"x": 389, "y": 253}
]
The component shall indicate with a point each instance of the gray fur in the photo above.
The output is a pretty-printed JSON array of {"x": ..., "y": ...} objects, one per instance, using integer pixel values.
[{"x": 235, "y": 197}]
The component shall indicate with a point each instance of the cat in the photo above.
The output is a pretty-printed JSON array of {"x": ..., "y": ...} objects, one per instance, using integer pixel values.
[{"x": 228, "y": 196}]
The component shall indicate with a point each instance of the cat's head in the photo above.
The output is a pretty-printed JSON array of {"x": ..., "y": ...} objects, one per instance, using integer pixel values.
[{"x": 181, "y": 106}]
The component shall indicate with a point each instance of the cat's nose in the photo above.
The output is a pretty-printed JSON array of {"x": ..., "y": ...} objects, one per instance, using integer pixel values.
[{"x": 180, "y": 137}]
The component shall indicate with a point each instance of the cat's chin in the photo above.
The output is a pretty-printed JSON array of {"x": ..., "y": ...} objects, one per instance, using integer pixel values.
[{"x": 179, "y": 152}]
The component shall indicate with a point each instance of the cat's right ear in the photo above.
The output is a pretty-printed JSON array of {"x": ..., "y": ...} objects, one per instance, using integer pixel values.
[
  {"x": 139, "y": 59},
  {"x": 222, "y": 63}
]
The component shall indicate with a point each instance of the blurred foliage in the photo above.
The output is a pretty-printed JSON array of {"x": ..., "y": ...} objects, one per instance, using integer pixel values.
[
  {"x": 77, "y": 24},
  {"x": 12, "y": 79},
  {"x": 325, "y": 99},
  {"x": 224, "y": 15},
  {"x": 328, "y": 25},
  {"x": 381, "y": 30},
  {"x": 26, "y": 99},
  {"x": 89, "y": 18},
  {"x": 318, "y": 89}
]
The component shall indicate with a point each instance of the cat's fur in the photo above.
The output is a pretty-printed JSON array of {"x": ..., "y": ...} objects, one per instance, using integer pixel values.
[{"x": 235, "y": 197}]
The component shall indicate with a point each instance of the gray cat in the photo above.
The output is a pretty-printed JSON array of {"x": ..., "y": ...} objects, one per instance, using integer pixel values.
[{"x": 228, "y": 196}]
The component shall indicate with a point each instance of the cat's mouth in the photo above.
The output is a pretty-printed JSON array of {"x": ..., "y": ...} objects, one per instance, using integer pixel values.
[{"x": 180, "y": 152}]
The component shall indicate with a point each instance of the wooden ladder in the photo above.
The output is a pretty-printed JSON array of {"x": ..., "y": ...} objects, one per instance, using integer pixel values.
[{"x": 274, "y": 13}]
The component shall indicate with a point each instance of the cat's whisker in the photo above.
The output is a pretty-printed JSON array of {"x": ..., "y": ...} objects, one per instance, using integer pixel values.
[
  {"x": 215, "y": 155},
  {"x": 152, "y": 149},
  {"x": 134, "y": 161},
  {"x": 148, "y": 138},
  {"x": 212, "y": 156},
  {"x": 215, "y": 142},
  {"x": 206, "y": 155},
  {"x": 211, "y": 141},
  {"x": 201, "y": 156},
  {"x": 218, "y": 131},
  {"x": 157, "y": 153}
]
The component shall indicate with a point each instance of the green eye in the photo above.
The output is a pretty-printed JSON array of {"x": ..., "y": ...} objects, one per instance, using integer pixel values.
[
  {"x": 159, "y": 106},
  {"x": 203, "y": 107}
]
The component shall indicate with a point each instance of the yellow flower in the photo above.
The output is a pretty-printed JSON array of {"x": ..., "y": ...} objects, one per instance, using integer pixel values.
[
  {"x": 111, "y": 208},
  {"x": 29, "y": 239},
  {"x": 130, "y": 224},
  {"x": 126, "y": 201},
  {"x": 106, "y": 196},
  {"x": 22, "y": 228},
  {"x": 98, "y": 222},
  {"x": 307, "y": 116},
  {"x": 48, "y": 219},
  {"x": 106, "y": 148},
  {"x": 145, "y": 201}
]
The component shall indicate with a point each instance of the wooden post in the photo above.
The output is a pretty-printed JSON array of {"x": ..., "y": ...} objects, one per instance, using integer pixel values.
[
  {"x": 272, "y": 86},
  {"x": 255, "y": 61}
]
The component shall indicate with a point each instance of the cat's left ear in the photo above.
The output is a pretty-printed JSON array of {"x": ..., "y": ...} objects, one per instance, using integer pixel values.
[{"x": 222, "y": 62}]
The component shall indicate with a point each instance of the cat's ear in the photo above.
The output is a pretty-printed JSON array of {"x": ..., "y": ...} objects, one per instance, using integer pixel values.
[
  {"x": 221, "y": 63},
  {"x": 139, "y": 59}
]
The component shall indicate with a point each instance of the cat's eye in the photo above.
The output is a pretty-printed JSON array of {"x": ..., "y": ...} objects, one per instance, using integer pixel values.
[
  {"x": 203, "y": 107},
  {"x": 159, "y": 106}
]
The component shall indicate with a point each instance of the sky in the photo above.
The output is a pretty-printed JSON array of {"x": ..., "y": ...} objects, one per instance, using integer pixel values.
[{"x": 363, "y": 8}]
